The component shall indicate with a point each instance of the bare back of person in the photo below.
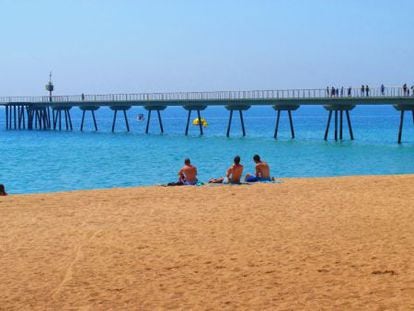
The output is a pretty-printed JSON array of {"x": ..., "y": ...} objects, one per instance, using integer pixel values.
[
  {"x": 190, "y": 173},
  {"x": 234, "y": 173},
  {"x": 187, "y": 175},
  {"x": 262, "y": 170}
]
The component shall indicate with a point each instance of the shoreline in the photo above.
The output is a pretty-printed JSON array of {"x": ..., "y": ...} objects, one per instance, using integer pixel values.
[
  {"x": 306, "y": 243},
  {"x": 206, "y": 184}
]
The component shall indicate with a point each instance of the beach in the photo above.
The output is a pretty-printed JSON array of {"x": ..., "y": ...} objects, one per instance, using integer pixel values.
[{"x": 343, "y": 243}]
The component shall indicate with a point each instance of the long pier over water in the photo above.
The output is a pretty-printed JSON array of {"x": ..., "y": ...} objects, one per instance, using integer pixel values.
[{"x": 51, "y": 112}]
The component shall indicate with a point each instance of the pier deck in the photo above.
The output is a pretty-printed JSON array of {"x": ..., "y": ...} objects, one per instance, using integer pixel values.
[{"x": 37, "y": 108}]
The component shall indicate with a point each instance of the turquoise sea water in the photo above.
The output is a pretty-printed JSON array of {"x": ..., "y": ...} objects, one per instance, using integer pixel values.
[{"x": 45, "y": 161}]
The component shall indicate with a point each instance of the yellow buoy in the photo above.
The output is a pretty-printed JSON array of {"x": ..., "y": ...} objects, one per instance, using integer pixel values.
[{"x": 203, "y": 122}]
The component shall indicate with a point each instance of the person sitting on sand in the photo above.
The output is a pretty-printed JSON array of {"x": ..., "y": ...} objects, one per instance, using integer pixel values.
[
  {"x": 2, "y": 190},
  {"x": 187, "y": 175},
  {"x": 262, "y": 171},
  {"x": 233, "y": 174}
]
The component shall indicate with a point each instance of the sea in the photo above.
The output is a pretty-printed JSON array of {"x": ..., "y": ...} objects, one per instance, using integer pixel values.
[{"x": 40, "y": 161}]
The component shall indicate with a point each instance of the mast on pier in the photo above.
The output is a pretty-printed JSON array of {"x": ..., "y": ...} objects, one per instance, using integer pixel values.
[{"x": 50, "y": 87}]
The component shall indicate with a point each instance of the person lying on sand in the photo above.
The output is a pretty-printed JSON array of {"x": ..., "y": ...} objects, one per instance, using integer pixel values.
[
  {"x": 2, "y": 190},
  {"x": 262, "y": 171},
  {"x": 187, "y": 175},
  {"x": 233, "y": 174}
]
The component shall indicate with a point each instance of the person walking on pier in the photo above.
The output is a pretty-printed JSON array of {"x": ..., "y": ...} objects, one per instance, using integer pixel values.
[
  {"x": 262, "y": 171},
  {"x": 83, "y": 97},
  {"x": 405, "y": 88},
  {"x": 332, "y": 92},
  {"x": 362, "y": 90},
  {"x": 342, "y": 91},
  {"x": 327, "y": 91},
  {"x": 367, "y": 90},
  {"x": 412, "y": 90},
  {"x": 382, "y": 89},
  {"x": 349, "y": 91}
]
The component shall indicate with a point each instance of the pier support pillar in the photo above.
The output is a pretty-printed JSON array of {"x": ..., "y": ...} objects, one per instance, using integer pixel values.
[
  {"x": 57, "y": 117},
  {"x": 240, "y": 108},
  {"x": 200, "y": 123},
  {"x": 289, "y": 109},
  {"x": 21, "y": 117},
  {"x": 348, "y": 118},
  {"x": 339, "y": 111},
  {"x": 15, "y": 116},
  {"x": 6, "y": 112},
  {"x": 37, "y": 117},
  {"x": 124, "y": 110},
  {"x": 158, "y": 109},
  {"x": 92, "y": 109},
  {"x": 402, "y": 109}
]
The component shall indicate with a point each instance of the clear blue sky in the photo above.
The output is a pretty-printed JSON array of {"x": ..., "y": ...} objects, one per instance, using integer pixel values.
[{"x": 103, "y": 46}]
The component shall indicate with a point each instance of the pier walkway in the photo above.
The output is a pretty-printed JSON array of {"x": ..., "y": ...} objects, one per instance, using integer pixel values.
[{"x": 53, "y": 112}]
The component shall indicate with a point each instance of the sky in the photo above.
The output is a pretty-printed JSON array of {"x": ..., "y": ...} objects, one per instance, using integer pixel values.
[{"x": 126, "y": 46}]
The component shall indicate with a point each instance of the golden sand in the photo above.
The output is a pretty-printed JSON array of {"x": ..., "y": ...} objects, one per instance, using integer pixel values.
[{"x": 323, "y": 243}]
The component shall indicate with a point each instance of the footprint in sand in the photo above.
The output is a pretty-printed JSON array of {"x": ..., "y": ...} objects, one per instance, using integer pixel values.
[{"x": 390, "y": 272}]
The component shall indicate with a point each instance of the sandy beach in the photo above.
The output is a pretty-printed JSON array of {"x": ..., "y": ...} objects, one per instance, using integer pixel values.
[{"x": 305, "y": 244}]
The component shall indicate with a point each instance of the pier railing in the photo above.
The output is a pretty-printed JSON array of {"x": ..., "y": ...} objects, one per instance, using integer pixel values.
[{"x": 217, "y": 95}]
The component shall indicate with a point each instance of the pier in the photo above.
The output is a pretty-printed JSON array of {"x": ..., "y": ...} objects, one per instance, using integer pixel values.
[{"x": 54, "y": 112}]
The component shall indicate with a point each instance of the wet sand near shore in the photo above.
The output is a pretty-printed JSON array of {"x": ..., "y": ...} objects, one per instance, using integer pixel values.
[{"x": 305, "y": 244}]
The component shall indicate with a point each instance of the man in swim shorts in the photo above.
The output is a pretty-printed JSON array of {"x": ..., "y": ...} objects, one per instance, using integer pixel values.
[
  {"x": 186, "y": 176},
  {"x": 262, "y": 171},
  {"x": 188, "y": 173},
  {"x": 233, "y": 174}
]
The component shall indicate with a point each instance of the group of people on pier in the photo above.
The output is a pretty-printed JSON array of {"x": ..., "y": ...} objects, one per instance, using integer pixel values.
[
  {"x": 336, "y": 92},
  {"x": 364, "y": 91},
  {"x": 187, "y": 175},
  {"x": 406, "y": 90}
]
